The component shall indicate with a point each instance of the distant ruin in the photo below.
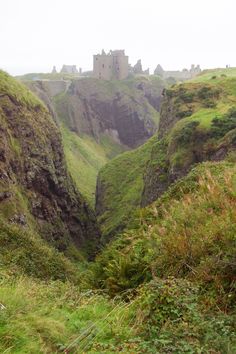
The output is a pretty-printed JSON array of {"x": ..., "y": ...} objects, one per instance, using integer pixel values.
[
  {"x": 114, "y": 65},
  {"x": 138, "y": 69},
  {"x": 69, "y": 69},
  {"x": 185, "y": 74}
]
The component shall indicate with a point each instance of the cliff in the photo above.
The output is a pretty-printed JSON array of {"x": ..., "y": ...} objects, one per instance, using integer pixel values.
[
  {"x": 100, "y": 119},
  {"x": 36, "y": 190},
  {"x": 197, "y": 123}
]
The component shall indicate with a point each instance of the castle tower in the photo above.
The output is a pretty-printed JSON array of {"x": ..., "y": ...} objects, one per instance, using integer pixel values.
[
  {"x": 54, "y": 70},
  {"x": 111, "y": 66}
]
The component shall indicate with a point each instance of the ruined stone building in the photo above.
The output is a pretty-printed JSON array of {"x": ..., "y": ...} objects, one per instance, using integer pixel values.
[
  {"x": 111, "y": 66},
  {"x": 69, "y": 69},
  {"x": 138, "y": 69},
  {"x": 185, "y": 74}
]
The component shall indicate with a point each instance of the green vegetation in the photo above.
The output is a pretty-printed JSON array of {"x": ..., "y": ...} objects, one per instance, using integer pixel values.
[
  {"x": 23, "y": 251},
  {"x": 86, "y": 154},
  {"x": 172, "y": 282},
  {"x": 18, "y": 92},
  {"x": 215, "y": 74},
  {"x": 47, "y": 76},
  {"x": 121, "y": 184},
  {"x": 202, "y": 120},
  {"x": 167, "y": 283},
  {"x": 85, "y": 157}
]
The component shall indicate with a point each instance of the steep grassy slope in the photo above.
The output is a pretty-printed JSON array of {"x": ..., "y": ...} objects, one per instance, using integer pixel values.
[
  {"x": 183, "y": 250},
  {"x": 36, "y": 191},
  {"x": 197, "y": 123},
  {"x": 188, "y": 234},
  {"x": 85, "y": 157},
  {"x": 119, "y": 187}
]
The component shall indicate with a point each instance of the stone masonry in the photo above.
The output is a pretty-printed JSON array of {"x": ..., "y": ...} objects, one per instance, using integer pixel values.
[{"x": 111, "y": 66}]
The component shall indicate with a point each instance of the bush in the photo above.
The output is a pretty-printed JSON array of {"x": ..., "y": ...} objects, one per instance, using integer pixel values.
[{"x": 221, "y": 126}]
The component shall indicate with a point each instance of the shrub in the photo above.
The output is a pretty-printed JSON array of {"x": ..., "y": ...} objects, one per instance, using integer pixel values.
[{"x": 221, "y": 126}]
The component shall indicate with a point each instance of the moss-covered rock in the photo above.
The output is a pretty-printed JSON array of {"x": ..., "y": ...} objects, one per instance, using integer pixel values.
[{"x": 37, "y": 192}]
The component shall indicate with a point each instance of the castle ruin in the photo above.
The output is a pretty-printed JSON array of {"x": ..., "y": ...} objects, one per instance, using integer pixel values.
[
  {"x": 111, "y": 66},
  {"x": 69, "y": 69},
  {"x": 185, "y": 74}
]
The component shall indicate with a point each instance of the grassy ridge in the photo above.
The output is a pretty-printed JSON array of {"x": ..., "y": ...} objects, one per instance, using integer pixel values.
[
  {"x": 18, "y": 92},
  {"x": 212, "y": 74}
]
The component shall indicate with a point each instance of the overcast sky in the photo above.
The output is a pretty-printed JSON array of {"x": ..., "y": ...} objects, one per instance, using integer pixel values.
[{"x": 37, "y": 34}]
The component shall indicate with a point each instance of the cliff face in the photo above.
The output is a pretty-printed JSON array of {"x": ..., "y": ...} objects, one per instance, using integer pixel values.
[
  {"x": 197, "y": 123},
  {"x": 127, "y": 111},
  {"x": 100, "y": 119},
  {"x": 36, "y": 190}
]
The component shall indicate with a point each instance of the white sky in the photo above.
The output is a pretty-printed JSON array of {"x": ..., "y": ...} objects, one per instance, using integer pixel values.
[{"x": 37, "y": 34}]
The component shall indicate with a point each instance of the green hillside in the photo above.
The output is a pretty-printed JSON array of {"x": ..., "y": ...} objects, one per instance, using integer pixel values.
[
  {"x": 172, "y": 278},
  {"x": 212, "y": 74},
  {"x": 85, "y": 157},
  {"x": 119, "y": 187},
  {"x": 197, "y": 123}
]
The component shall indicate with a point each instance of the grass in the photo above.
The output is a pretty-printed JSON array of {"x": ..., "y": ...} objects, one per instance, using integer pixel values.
[
  {"x": 196, "y": 212},
  {"x": 170, "y": 277},
  {"x": 23, "y": 251},
  {"x": 85, "y": 157},
  {"x": 171, "y": 280},
  {"x": 184, "y": 252},
  {"x": 18, "y": 92},
  {"x": 215, "y": 74},
  {"x": 121, "y": 183},
  {"x": 56, "y": 317}
]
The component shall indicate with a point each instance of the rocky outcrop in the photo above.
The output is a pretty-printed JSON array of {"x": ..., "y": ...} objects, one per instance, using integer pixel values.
[
  {"x": 35, "y": 188},
  {"x": 127, "y": 110},
  {"x": 189, "y": 133},
  {"x": 183, "y": 142}
]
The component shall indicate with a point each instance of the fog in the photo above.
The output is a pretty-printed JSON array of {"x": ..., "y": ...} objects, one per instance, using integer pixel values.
[{"x": 37, "y": 34}]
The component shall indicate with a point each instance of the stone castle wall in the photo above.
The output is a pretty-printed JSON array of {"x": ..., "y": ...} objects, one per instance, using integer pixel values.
[{"x": 113, "y": 65}]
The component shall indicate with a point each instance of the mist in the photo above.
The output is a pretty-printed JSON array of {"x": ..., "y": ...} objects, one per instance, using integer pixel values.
[{"x": 35, "y": 35}]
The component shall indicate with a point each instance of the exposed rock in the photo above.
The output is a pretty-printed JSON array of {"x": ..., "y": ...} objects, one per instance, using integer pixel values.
[
  {"x": 34, "y": 163},
  {"x": 94, "y": 107},
  {"x": 193, "y": 145},
  {"x": 4, "y": 195}
]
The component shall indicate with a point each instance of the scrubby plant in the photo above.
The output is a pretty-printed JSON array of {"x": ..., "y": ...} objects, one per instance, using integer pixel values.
[
  {"x": 189, "y": 233},
  {"x": 221, "y": 126},
  {"x": 170, "y": 320},
  {"x": 185, "y": 135},
  {"x": 25, "y": 252}
]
